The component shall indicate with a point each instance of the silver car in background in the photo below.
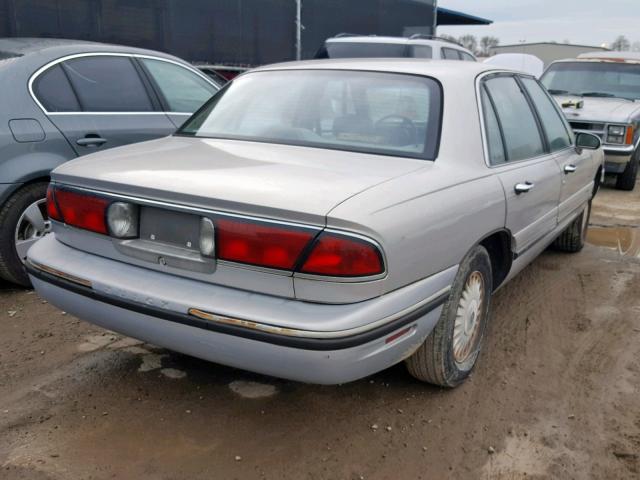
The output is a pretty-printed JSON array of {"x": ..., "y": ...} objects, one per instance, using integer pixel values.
[
  {"x": 600, "y": 94},
  {"x": 321, "y": 221}
]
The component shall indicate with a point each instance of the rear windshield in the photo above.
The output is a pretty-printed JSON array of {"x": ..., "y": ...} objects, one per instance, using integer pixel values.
[
  {"x": 385, "y": 113},
  {"x": 363, "y": 50},
  {"x": 594, "y": 79}
]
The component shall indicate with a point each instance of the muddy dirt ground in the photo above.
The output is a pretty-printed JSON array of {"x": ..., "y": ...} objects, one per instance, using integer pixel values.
[{"x": 556, "y": 393}]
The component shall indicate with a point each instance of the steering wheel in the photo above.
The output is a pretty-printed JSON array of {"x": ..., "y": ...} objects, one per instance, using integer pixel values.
[{"x": 406, "y": 126}]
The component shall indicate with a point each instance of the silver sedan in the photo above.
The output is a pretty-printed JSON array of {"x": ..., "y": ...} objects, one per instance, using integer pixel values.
[{"x": 321, "y": 221}]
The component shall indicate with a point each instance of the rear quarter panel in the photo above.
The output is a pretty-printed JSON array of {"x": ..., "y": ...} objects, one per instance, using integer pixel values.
[{"x": 424, "y": 225}]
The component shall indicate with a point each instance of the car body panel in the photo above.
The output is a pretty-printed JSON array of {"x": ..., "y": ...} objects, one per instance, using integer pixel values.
[
  {"x": 533, "y": 214},
  {"x": 236, "y": 176}
]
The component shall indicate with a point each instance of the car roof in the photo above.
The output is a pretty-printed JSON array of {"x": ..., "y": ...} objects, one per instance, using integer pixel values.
[
  {"x": 54, "y": 48},
  {"x": 417, "y": 66},
  {"x": 611, "y": 56},
  {"x": 394, "y": 40}
]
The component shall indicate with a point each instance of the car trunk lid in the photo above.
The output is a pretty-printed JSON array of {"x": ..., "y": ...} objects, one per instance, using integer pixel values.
[{"x": 276, "y": 181}]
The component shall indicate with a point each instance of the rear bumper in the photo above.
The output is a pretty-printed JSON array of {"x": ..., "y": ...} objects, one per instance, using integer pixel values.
[{"x": 253, "y": 342}]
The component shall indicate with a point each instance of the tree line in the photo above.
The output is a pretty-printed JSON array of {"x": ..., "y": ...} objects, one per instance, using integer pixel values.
[
  {"x": 470, "y": 42},
  {"x": 484, "y": 46}
]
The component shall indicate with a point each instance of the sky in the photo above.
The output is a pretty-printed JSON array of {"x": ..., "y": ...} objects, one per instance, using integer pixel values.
[{"x": 585, "y": 22}]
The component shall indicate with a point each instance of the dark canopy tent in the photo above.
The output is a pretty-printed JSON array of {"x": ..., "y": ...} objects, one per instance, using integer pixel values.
[{"x": 453, "y": 17}]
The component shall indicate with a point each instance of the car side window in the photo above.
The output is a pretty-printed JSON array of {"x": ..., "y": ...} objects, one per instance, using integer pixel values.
[
  {"x": 450, "y": 54},
  {"x": 553, "y": 124},
  {"x": 521, "y": 135},
  {"x": 492, "y": 130},
  {"x": 182, "y": 89},
  {"x": 466, "y": 57},
  {"x": 53, "y": 91},
  {"x": 421, "y": 51},
  {"x": 107, "y": 84}
]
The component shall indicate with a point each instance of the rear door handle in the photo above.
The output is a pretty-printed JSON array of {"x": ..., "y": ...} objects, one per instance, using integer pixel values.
[
  {"x": 523, "y": 187},
  {"x": 90, "y": 141},
  {"x": 570, "y": 168}
]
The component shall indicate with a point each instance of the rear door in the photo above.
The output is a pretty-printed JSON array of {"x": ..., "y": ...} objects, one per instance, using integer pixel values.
[
  {"x": 576, "y": 167},
  {"x": 518, "y": 153},
  {"x": 101, "y": 101}
]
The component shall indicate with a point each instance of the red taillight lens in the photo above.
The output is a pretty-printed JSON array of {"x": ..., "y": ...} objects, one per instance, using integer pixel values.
[
  {"x": 52, "y": 208},
  {"x": 82, "y": 210},
  {"x": 260, "y": 244},
  {"x": 342, "y": 256}
]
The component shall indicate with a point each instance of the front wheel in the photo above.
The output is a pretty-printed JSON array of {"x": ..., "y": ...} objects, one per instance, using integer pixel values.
[
  {"x": 450, "y": 352},
  {"x": 24, "y": 221},
  {"x": 627, "y": 179}
]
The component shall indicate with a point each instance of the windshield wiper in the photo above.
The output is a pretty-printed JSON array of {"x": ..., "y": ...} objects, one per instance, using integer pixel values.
[
  {"x": 554, "y": 91},
  {"x": 602, "y": 95}
]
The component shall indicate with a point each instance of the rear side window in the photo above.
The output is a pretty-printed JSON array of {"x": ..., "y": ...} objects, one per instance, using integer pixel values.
[
  {"x": 450, "y": 54},
  {"x": 554, "y": 125},
  {"x": 365, "y": 50},
  {"x": 466, "y": 57},
  {"x": 521, "y": 135},
  {"x": 492, "y": 128},
  {"x": 53, "y": 91},
  {"x": 182, "y": 89},
  {"x": 421, "y": 51},
  {"x": 107, "y": 84}
]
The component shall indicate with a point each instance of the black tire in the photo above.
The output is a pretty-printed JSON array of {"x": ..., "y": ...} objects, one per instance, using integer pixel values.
[
  {"x": 627, "y": 179},
  {"x": 573, "y": 238},
  {"x": 434, "y": 361},
  {"x": 11, "y": 267}
]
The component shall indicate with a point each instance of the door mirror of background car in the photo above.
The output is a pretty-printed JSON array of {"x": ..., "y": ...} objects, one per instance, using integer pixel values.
[{"x": 588, "y": 141}]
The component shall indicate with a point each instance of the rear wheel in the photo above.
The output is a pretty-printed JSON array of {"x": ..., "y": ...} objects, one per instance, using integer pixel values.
[
  {"x": 24, "y": 221},
  {"x": 627, "y": 179},
  {"x": 573, "y": 238},
  {"x": 450, "y": 352}
]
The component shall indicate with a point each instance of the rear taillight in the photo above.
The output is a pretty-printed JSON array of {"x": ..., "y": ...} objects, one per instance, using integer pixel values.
[
  {"x": 82, "y": 210},
  {"x": 271, "y": 245},
  {"x": 343, "y": 256},
  {"x": 52, "y": 209},
  {"x": 260, "y": 244}
]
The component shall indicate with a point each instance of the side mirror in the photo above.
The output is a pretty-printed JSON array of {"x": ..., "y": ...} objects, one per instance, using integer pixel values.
[{"x": 588, "y": 141}]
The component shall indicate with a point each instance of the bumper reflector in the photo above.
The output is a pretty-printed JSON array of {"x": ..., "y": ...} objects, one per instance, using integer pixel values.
[{"x": 59, "y": 273}]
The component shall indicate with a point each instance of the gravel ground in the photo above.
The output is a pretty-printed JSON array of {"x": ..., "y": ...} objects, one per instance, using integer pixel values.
[{"x": 555, "y": 393}]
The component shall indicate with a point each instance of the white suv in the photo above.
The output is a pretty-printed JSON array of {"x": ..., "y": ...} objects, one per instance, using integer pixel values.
[{"x": 347, "y": 45}]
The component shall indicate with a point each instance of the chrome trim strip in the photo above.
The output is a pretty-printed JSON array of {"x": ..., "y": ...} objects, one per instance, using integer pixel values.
[
  {"x": 185, "y": 208},
  {"x": 38, "y": 72},
  {"x": 60, "y": 274},
  {"x": 291, "y": 332}
]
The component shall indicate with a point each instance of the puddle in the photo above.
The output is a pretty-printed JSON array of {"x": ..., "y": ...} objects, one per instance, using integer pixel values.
[
  {"x": 624, "y": 240},
  {"x": 248, "y": 389}
]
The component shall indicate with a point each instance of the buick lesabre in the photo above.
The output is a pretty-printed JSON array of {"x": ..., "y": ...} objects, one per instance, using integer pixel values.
[{"x": 321, "y": 221}]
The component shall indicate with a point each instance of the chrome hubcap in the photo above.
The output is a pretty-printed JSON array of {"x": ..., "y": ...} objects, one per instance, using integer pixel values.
[
  {"x": 466, "y": 329},
  {"x": 32, "y": 225}
]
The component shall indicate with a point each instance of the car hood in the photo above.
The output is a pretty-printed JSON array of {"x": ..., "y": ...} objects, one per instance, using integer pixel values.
[
  {"x": 278, "y": 181},
  {"x": 599, "y": 109}
]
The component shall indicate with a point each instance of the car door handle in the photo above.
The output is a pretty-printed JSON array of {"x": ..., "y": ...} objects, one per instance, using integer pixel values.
[
  {"x": 570, "y": 168},
  {"x": 523, "y": 187},
  {"x": 91, "y": 141}
]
